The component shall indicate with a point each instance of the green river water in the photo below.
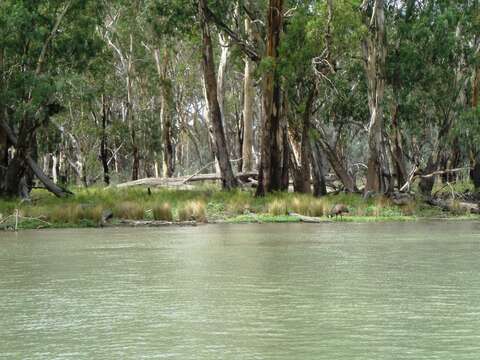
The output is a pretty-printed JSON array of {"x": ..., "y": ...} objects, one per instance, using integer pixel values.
[{"x": 282, "y": 291}]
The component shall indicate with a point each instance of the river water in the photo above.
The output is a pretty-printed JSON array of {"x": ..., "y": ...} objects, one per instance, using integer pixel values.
[{"x": 286, "y": 291}]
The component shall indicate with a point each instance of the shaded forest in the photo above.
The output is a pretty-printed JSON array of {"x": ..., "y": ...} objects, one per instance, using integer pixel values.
[{"x": 372, "y": 96}]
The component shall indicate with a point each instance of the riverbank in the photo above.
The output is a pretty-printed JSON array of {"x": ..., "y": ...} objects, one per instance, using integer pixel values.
[{"x": 96, "y": 207}]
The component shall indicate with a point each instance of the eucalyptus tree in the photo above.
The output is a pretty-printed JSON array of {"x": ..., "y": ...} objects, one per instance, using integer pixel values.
[{"x": 42, "y": 44}]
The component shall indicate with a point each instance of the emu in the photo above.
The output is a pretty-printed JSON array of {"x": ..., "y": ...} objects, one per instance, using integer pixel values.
[{"x": 339, "y": 209}]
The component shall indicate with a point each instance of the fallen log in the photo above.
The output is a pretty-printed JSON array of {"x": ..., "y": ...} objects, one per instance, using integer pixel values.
[
  {"x": 180, "y": 181},
  {"x": 307, "y": 219}
]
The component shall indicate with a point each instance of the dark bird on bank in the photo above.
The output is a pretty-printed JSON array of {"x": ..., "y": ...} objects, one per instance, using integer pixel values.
[
  {"x": 149, "y": 191},
  {"x": 339, "y": 209}
]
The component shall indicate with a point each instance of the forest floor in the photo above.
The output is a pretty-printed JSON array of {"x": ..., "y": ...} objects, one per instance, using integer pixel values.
[{"x": 136, "y": 206}]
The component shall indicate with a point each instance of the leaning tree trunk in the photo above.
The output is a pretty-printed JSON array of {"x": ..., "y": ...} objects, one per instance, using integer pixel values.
[
  {"x": 272, "y": 140},
  {"x": 374, "y": 50},
  {"x": 220, "y": 144}
]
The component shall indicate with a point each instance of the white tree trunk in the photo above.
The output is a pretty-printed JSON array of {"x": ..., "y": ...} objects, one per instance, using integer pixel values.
[
  {"x": 249, "y": 97},
  {"x": 54, "y": 168},
  {"x": 222, "y": 70},
  {"x": 374, "y": 50}
]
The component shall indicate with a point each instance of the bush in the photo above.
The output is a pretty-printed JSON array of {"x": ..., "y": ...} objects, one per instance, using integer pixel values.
[
  {"x": 193, "y": 210},
  {"x": 163, "y": 212}
]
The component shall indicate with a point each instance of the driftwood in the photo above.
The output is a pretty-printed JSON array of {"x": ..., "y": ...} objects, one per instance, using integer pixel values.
[
  {"x": 452, "y": 206},
  {"x": 307, "y": 219},
  {"x": 179, "y": 181},
  {"x": 152, "y": 223}
]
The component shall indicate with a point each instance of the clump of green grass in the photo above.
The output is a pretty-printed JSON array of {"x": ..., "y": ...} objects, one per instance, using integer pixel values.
[
  {"x": 163, "y": 212},
  {"x": 277, "y": 207},
  {"x": 129, "y": 210},
  {"x": 193, "y": 210}
]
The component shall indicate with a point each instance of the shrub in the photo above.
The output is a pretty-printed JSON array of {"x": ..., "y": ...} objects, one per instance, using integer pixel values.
[
  {"x": 163, "y": 212},
  {"x": 193, "y": 210},
  {"x": 129, "y": 210}
]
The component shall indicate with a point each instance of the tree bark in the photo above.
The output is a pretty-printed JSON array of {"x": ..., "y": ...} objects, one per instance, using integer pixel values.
[
  {"x": 272, "y": 139},
  {"x": 220, "y": 145}
]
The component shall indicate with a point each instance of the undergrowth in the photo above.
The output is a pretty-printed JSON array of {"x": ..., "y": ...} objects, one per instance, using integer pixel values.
[{"x": 202, "y": 204}]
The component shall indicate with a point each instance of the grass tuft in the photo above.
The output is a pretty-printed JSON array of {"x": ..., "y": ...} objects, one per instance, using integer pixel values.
[
  {"x": 193, "y": 210},
  {"x": 277, "y": 207},
  {"x": 163, "y": 212}
]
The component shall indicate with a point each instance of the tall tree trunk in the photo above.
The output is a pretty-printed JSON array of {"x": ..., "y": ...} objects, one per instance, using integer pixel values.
[
  {"x": 475, "y": 156},
  {"x": 248, "y": 103},
  {"x": 374, "y": 50},
  {"x": 272, "y": 139},
  {"x": 220, "y": 144},
  {"x": 130, "y": 116},
  {"x": 103, "y": 143},
  {"x": 3, "y": 134},
  {"x": 222, "y": 72},
  {"x": 397, "y": 150},
  {"x": 166, "y": 112}
]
